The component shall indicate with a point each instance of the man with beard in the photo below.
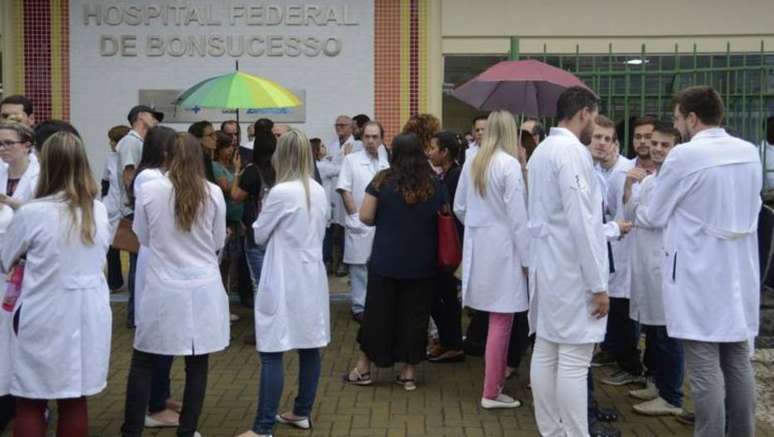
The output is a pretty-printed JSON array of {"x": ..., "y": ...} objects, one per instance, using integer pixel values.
[
  {"x": 643, "y": 131},
  {"x": 568, "y": 266},
  {"x": 663, "y": 354},
  {"x": 707, "y": 199}
]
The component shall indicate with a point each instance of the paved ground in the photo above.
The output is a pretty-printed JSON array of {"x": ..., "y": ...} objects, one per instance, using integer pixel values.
[{"x": 445, "y": 403}]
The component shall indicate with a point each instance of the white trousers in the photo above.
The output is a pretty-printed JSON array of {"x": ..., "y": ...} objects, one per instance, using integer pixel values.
[{"x": 558, "y": 375}]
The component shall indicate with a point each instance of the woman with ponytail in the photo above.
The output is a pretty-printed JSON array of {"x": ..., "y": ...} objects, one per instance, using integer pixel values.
[{"x": 181, "y": 220}]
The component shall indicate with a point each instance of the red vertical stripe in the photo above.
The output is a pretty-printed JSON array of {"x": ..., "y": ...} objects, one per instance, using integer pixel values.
[
  {"x": 414, "y": 57},
  {"x": 65, "y": 58},
  {"x": 37, "y": 56}
]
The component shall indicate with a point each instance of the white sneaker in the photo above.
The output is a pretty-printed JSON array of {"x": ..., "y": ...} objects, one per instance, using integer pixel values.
[
  {"x": 502, "y": 401},
  {"x": 196, "y": 434},
  {"x": 658, "y": 407},
  {"x": 648, "y": 393},
  {"x": 304, "y": 423},
  {"x": 150, "y": 422}
]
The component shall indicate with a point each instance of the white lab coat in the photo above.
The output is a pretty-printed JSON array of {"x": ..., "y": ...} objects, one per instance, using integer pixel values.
[
  {"x": 6, "y": 317},
  {"x": 568, "y": 251},
  {"x": 768, "y": 150},
  {"x": 329, "y": 172},
  {"x": 646, "y": 303},
  {"x": 25, "y": 189},
  {"x": 357, "y": 171},
  {"x": 336, "y": 157},
  {"x": 707, "y": 196},
  {"x": 143, "y": 177},
  {"x": 620, "y": 280},
  {"x": 62, "y": 348},
  {"x": 184, "y": 307},
  {"x": 113, "y": 199},
  {"x": 291, "y": 306},
  {"x": 471, "y": 151},
  {"x": 496, "y": 242}
]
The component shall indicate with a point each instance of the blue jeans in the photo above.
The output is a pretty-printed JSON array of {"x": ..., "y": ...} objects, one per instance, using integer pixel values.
[
  {"x": 665, "y": 360},
  {"x": 272, "y": 380},
  {"x": 254, "y": 254},
  {"x": 358, "y": 275}
]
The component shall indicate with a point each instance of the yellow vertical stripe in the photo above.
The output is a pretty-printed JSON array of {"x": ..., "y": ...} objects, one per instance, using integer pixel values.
[
  {"x": 56, "y": 58},
  {"x": 19, "y": 6},
  {"x": 405, "y": 28}
]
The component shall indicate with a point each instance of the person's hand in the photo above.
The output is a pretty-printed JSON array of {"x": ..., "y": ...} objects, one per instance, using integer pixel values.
[
  {"x": 624, "y": 226},
  {"x": 347, "y": 149},
  {"x": 601, "y": 304},
  {"x": 10, "y": 201},
  {"x": 636, "y": 175},
  {"x": 237, "y": 161}
]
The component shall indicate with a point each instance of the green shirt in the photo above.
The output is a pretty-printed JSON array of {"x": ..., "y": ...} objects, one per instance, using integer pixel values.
[{"x": 233, "y": 209}]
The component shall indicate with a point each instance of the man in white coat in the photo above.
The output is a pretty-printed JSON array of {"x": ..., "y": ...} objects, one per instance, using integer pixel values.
[
  {"x": 663, "y": 354},
  {"x": 568, "y": 266},
  {"x": 707, "y": 197},
  {"x": 357, "y": 171},
  {"x": 479, "y": 127},
  {"x": 343, "y": 145},
  {"x": 621, "y": 339}
]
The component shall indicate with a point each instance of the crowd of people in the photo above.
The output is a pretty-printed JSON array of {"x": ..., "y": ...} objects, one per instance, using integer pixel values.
[{"x": 566, "y": 247}]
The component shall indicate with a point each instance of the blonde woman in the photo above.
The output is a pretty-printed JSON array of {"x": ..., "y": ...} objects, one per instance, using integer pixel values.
[
  {"x": 291, "y": 305},
  {"x": 60, "y": 342},
  {"x": 491, "y": 203},
  {"x": 181, "y": 220}
]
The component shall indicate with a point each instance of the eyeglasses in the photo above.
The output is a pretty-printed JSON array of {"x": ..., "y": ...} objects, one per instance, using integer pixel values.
[
  {"x": 9, "y": 143},
  {"x": 342, "y": 124}
]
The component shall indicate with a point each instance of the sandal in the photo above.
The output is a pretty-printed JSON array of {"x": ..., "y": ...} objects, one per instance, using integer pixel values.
[
  {"x": 409, "y": 384},
  {"x": 354, "y": 377}
]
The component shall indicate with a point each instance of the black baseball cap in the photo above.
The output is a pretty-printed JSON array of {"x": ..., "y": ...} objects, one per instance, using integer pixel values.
[{"x": 143, "y": 108}]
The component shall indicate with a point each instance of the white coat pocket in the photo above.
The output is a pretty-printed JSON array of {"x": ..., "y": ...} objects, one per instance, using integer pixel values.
[{"x": 268, "y": 302}]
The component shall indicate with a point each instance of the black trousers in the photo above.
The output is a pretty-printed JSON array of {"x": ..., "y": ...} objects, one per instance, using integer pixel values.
[
  {"x": 447, "y": 312},
  {"x": 115, "y": 278},
  {"x": 519, "y": 342},
  {"x": 397, "y": 312},
  {"x": 623, "y": 335},
  {"x": 138, "y": 389},
  {"x": 244, "y": 280},
  {"x": 7, "y": 411}
]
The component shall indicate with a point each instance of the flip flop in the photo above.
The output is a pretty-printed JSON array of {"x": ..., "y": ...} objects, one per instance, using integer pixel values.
[{"x": 354, "y": 377}]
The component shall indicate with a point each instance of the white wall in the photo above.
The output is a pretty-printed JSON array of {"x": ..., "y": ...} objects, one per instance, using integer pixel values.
[{"x": 104, "y": 88}]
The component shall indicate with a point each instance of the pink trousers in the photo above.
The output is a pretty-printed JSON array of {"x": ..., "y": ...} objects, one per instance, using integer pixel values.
[{"x": 496, "y": 355}]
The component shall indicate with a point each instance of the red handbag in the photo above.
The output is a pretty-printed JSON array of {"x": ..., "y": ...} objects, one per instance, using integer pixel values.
[{"x": 449, "y": 246}]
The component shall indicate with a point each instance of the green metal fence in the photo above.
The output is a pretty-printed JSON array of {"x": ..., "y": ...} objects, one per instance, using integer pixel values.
[{"x": 636, "y": 84}]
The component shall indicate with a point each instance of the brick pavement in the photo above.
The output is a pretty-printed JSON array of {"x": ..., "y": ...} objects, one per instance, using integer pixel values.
[{"x": 445, "y": 403}]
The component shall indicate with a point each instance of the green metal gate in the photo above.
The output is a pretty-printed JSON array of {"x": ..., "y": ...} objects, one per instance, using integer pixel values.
[{"x": 637, "y": 84}]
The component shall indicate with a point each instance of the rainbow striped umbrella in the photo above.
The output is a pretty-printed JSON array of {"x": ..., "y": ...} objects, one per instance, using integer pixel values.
[{"x": 238, "y": 90}]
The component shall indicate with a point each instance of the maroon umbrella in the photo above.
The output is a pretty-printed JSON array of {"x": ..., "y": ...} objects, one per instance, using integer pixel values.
[{"x": 523, "y": 87}]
